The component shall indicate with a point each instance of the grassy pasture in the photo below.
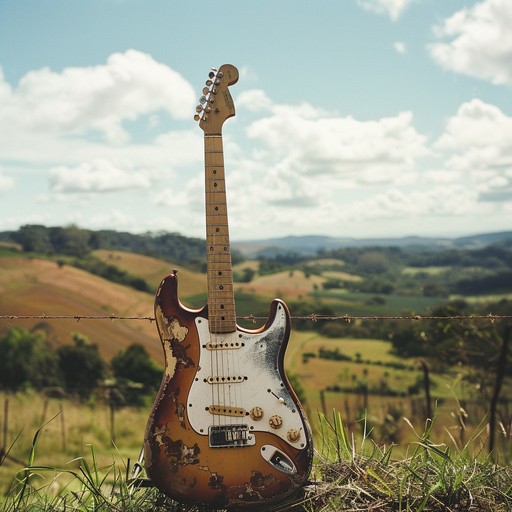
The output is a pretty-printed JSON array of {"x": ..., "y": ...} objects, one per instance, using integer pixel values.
[
  {"x": 364, "y": 303},
  {"x": 287, "y": 285},
  {"x": 342, "y": 276},
  {"x": 70, "y": 429},
  {"x": 432, "y": 270}
]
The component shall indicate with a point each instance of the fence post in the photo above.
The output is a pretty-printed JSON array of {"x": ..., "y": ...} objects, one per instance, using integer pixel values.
[
  {"x": 426, "y": 383},
  {"x": 62, "y": 430},
  {"x": 3, "y": 448},
  {"x": 112, "y": 422},
  {"x": 500, "y": 373}
]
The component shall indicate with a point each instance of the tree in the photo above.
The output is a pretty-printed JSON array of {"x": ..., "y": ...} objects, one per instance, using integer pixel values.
[
  {"x": 27, "y": 360},
  {"x": 70, "y": 240},
  {"x": 34, "y": 238},
  {"x": 81, "y": 365},
  {"x": 134, "y": 364}
]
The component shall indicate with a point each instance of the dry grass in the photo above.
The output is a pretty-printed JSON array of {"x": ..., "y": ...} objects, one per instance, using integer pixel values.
[
  {"x": 287, "y": 285},
  {"x": 154, "y": 270},
  {"x": 39, "y": 287}
]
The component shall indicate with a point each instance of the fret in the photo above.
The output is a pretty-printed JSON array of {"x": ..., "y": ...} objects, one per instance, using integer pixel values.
[{"x": 221, "y": 303}]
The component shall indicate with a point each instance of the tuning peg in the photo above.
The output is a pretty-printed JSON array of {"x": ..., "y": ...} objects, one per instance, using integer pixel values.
[
  {"x": 199, "y": 108},
  {"x": 220, "y": 74},
  {"x": 209, "y": 82},
  {"x": 211, "y": 74},
  {"x": 206, "y": 90},
  {"x": 202, "y": 100},
  {"x": 197, "y": 117},
  {"x": 214, "y": 91}
]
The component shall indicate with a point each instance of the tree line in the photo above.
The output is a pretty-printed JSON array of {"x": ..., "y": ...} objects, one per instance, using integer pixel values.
[
  {"x": 78, "y": 242},
  {"x": 31, "y": 360}
]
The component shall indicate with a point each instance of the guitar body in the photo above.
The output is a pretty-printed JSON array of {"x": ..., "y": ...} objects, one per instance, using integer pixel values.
[{"x": 226, "y": 429}]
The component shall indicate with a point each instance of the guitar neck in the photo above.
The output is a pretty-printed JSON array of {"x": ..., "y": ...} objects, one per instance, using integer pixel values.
[{"x": 221, "y": 298}]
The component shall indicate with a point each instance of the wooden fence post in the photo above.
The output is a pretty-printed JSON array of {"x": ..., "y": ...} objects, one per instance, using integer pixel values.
[
  {"x": 63, "y": 430},
  {"x": 500, "y": 374},
  {"x": 6, "y": 423}
]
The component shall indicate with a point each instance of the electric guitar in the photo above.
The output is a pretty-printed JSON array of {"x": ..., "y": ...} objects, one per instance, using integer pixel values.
[{"x": 226, "y": 429}]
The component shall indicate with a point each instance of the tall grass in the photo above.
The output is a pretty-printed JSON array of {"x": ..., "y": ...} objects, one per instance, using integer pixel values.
[
  {"x": 355, "y": 476},
  {"x": 349, "y": 475}
]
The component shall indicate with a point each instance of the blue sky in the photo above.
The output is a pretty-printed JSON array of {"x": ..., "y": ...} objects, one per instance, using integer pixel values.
[{"x": 358, "y": 118}]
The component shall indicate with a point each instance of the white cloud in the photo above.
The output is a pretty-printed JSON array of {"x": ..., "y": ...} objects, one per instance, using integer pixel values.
[
  {"x": 97, "y": 99},
  {"x": 479, "y": 136},
  {"x": 400, "y": 47},
  {"x": 77, "y": 115},
  {"x": 308, "y": 141},
  {"x": 393, "y": 8},
  {"x": 254, "y": 100},
  {"x": 437, "y": 201},
  {"x": 478, "y": 42},
  {"x": 478, "y": 140},
  {"x": 95, "y": 176}
]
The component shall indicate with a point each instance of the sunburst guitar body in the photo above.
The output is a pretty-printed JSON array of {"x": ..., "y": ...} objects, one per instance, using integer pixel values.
[{"x": 226, "y": 429}]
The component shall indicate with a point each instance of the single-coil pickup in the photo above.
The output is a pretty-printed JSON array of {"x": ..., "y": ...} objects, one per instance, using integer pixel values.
[
  {"x": 224, "y": 380},
  {"x": 226, "y": 410},
  {"x": 223, "y": 345}
]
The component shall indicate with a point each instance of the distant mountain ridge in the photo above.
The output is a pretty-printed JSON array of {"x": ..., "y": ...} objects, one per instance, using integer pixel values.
[
  {"x": 72, "y": 240},
  {"x": 310, "y": 244}
]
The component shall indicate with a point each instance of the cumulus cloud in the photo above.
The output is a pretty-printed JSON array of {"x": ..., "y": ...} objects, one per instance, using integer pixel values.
[
  {"x": 479, "y": 133},
  {"x": 309, "y": 141},
  {"x": 478, "y": 140},
  {"x": 393, "y": 8},
  {"x": 477, "y": 41},
  {"x": 95, "y": 176},
  {"x": 254, "y": 100},
  {"x": 96, "y": 99}
]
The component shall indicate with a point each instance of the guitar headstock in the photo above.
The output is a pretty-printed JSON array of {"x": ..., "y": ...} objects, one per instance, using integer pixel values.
[{"x": 216, "y": 104}]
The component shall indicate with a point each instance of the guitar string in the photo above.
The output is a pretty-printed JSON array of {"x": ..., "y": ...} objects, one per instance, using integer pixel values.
[
  {"x": 218, "y": 337},
  {"x": 211, "y": 285},
  {"x": 229, "y": 368}
]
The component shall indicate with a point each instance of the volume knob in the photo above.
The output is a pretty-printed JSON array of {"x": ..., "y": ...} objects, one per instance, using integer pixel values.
[
  {"x": 275, "y": 421},
  {"x": 293, "y": 435},
  {"x": 256, "y": 413}
]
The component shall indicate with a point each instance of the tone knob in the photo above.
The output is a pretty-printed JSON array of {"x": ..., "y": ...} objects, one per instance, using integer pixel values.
[
  {"x": 275, "y": 421},
  {"x": 256, "y": 413},
  {"x": 293, "y": 435}
]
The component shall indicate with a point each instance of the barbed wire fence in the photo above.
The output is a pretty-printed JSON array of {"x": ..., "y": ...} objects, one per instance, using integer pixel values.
[{"x": 312, "y": 317}]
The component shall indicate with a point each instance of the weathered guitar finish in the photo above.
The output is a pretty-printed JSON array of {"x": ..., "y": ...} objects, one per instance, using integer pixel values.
[{"x": 226, "y": 429}]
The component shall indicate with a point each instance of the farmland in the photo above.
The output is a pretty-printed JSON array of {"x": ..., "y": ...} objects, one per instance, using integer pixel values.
[{"x": 351, "y": 365}]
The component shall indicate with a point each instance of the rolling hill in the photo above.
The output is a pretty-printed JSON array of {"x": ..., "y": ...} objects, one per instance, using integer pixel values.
[{"x": 31, "y": 286}]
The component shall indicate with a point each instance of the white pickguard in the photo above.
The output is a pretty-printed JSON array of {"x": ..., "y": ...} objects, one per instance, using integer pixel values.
[{"x": 254, "y": 381}]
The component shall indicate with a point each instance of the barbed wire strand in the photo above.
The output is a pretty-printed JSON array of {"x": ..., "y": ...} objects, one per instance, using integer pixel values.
[{"x": 313, "y": 317}]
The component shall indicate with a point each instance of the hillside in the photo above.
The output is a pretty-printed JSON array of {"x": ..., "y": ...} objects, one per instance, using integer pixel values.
[
  {"x": 153, "y": 270},
  {"x": 31, "y": 286}
]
